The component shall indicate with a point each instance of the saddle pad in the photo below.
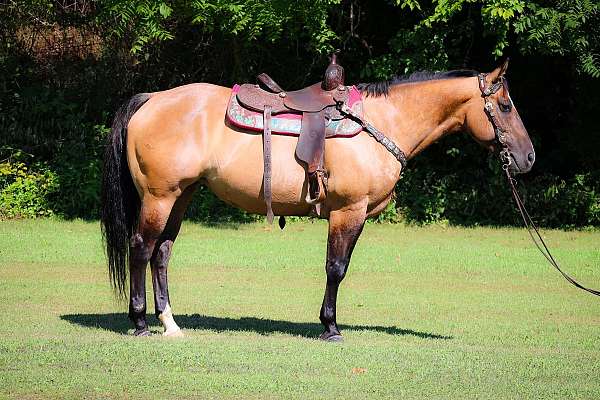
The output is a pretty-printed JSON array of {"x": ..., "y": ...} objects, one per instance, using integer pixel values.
[{"x": 291, "y": 124}]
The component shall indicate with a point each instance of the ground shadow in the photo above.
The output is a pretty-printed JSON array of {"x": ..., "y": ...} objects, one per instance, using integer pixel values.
[{"x": 118, "y": 322}]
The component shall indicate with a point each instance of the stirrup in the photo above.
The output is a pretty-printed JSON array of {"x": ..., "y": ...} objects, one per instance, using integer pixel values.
[{"x": 316, "y": 191}]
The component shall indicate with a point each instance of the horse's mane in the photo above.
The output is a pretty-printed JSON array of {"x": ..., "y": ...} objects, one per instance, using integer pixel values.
[{"x": 382, "y": 88}]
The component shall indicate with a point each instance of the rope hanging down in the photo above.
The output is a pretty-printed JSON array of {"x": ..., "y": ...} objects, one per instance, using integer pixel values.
[{"x": 539, "y": 242}]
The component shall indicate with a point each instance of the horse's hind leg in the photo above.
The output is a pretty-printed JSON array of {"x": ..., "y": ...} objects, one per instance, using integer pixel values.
[
  {"x": 154, "y": 214},
  {"x": 345, "y": 227},
  {"x": 160, "y": 262}
]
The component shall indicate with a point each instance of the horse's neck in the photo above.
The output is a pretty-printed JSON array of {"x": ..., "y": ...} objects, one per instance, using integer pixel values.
[{"x": 416, "y": 115}]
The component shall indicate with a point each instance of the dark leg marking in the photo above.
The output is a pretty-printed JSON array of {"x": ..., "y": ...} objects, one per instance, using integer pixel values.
[
  {"x": 340, "y": 244},
  {"x": 159, "y": 276},
  {"x": 139, "y": 256}
]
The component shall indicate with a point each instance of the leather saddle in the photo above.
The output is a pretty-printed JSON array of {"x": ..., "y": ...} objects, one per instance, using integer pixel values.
[{"x": 317, "y": 104}]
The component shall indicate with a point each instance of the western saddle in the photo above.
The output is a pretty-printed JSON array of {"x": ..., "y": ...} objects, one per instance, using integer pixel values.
[{"x": 317, "y": 104}]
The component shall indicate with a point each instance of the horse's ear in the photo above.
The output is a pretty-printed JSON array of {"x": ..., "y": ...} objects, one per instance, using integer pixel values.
[{"x": 499, "y": 71}]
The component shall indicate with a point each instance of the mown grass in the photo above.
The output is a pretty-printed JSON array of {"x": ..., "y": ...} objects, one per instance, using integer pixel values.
[{"x": 430, "y": 312}]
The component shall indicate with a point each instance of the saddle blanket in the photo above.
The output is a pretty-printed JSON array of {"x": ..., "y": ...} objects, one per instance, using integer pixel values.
[{"x": 291, "y": 124}]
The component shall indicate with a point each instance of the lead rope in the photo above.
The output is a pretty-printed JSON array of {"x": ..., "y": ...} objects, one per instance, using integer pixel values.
[{"x": 539, "y": 242}]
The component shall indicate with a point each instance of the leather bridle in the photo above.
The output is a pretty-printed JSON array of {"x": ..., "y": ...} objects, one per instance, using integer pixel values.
[{"x": 500, "y": 131}]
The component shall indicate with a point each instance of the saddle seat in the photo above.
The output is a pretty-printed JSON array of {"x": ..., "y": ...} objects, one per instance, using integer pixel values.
[
  {"x": 314, "y": 99},
  {"x": 311, "y": 99}
]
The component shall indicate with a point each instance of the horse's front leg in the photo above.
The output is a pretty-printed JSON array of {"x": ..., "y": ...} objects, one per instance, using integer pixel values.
[{"x": 345, "y": 227}]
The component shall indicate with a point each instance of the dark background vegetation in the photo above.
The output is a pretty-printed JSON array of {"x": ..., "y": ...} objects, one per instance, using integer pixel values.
[{"x": 65, "y": 67}]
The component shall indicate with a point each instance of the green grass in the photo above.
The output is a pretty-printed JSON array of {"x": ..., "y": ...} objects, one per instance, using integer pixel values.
[{"x": 429, "y": 312}]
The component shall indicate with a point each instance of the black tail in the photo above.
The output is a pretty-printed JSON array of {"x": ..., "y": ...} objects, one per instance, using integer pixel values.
[{"x": 120, "y": 201}]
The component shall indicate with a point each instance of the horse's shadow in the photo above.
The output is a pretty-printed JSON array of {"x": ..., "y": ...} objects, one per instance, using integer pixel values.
[{"x": 118, "y": 322}]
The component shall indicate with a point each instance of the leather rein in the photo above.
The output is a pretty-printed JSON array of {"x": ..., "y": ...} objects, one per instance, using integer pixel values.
[{"x": 501, "y": 137}]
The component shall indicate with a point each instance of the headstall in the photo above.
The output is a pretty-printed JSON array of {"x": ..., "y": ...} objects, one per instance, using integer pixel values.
[{"x": 490, "y": 109}]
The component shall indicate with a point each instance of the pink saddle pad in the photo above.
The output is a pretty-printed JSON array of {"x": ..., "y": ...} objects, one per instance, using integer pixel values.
[{"x": 291, "y": 124}]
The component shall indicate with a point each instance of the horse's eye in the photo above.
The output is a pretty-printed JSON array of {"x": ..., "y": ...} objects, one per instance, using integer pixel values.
[{"x": 504, "y": 107}]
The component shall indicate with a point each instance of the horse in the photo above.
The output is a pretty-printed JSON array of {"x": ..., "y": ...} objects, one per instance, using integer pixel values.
[{"x": 163, "y": 145}]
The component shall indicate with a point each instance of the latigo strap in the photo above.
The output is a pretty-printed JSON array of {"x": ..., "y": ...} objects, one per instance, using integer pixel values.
[{"x": 267, "y": 163}]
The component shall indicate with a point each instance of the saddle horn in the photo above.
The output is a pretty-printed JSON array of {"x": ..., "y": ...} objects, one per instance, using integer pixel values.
[{"x": 334, "y": 74}]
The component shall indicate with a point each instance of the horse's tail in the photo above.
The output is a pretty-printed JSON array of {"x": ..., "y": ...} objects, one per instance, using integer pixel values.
[{"x": 119, "y": 199}]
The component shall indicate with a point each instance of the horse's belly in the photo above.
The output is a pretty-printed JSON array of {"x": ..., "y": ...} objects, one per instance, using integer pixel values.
[{"x": 237, "y": 177}]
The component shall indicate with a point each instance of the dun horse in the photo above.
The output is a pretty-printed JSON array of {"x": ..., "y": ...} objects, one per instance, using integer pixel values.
[{"x": 164, "y": 144}]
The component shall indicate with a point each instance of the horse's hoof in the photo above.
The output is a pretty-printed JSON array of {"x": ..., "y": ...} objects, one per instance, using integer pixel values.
[
  {"x": 174, "y": 333},
  {"x": 141, "y": 332},
  {"x": 331, "y": 337}
]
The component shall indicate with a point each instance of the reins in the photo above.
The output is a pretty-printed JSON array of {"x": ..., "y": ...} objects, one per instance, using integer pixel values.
[
  {"x": 501, "y": 132},
  {"x": 541, "y": 245}
]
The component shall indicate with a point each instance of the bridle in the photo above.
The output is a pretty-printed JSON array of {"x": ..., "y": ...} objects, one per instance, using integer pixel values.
[
  {"x": 501, "y": 135},
  {"x": 500, "y": 131}
]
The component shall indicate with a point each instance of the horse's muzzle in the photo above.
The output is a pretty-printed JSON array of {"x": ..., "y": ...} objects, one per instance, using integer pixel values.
[{"x": 521, "y": 163}]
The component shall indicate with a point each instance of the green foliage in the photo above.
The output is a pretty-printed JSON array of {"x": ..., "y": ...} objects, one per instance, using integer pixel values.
[
  {"x": 25, "y": 191},
  {"x": 390, "y": 214},
  {"x": 268, "y": 20},
  {"x": 144, "y": 18},
  {"x": 560, "y": 27},
  {"x": 205, "y": 207},
  {"x": 467, "y": 190},
  {"x": 406, "y": 57},
  {"x": 572, "y": 202},
  {"x": 569, "y": 27},
  {"x": 79, "y": 172},
  {"x": 64, "y": 71},
  {"x": 148, "y": 21}
]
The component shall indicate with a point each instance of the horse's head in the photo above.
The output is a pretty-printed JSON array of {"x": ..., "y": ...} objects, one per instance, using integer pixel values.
[{"x": 493, "y": 120}]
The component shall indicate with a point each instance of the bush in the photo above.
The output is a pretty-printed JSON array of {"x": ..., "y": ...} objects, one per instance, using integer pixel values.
[
  {"x": 79, "y": 173},
  {"x": 481, "y": 196},
  {"x": 25, "y": 191},
  {"x": 207, "y": 208},
  {"x": 572, "y": 202}
]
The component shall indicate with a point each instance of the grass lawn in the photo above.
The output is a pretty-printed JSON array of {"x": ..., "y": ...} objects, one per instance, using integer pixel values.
[{"x": 430, "y": 312}]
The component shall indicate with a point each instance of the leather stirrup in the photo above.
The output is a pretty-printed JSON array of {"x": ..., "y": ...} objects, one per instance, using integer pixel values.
[{"x": 316, "y": 191}]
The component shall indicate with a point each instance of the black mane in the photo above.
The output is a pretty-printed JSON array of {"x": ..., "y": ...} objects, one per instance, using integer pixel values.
[{"x": 382, "y": 88}]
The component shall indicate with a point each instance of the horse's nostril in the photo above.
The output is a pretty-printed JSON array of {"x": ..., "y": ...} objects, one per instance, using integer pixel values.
[{"x": 531, "y": 157}]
